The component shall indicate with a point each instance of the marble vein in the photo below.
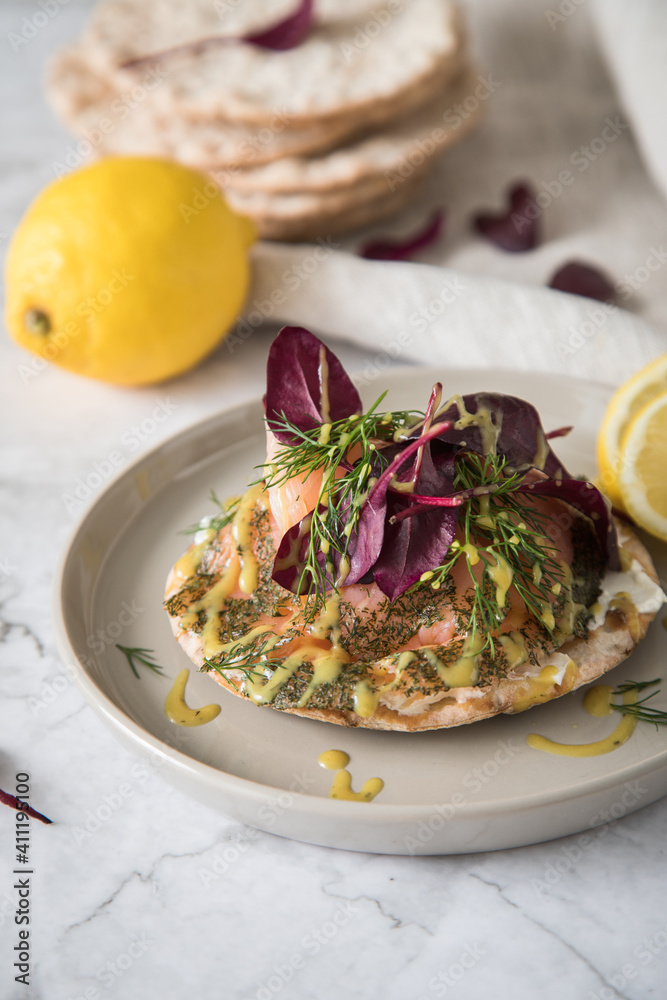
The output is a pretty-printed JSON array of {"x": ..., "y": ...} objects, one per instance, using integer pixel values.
[
  {"x": 7, "y": 627},
  {"x": 143, "y": 878},
  {"x": 396, "y": 921},
  {"x": 547, "y": 930}
]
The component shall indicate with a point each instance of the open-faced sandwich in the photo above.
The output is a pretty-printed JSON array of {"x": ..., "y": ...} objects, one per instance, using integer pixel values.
[{"x": 407, "y": 570}]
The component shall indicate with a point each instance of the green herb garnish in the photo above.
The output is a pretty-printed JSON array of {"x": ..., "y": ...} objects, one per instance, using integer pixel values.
[
  {"x": 245, "y": 656},
  {"x": 503, "y": 535},
  {"x": 345, "y": 484},
  {"x": 638, "y": 709},
  {"x": 140, "y": 655},
  {"x": 218, "y": 521}
]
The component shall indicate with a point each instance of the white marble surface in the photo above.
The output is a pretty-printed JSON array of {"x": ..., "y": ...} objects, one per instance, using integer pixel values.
[{"x": 128, "y": 911}]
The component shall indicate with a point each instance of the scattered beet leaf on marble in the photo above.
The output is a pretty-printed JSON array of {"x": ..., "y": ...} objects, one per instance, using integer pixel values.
[
  {"x": 389, "y": 249},
  {"x": 20, "y": 806},
  {"x": 515, "y": 230},
  {"x": 582, "y": 279}
]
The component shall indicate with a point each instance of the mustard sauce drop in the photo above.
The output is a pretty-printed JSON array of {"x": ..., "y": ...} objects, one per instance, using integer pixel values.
[
  {"x": 399, "y": 487},
  {"x": 333, "y": 760},
  {"x": 178, "y": 711},
  {"x": 515, "y": 649},
  {"x": 501, "y": 574},
  {"x": 624, "y": 603},
  {"x": 189, "y": 563},
  {"x": 546, "y": 614},
  {"x": 471, "y": 552},
  {"x": 365, "y": 698},
  {"x": 542, "y": 450},
  {"x": 539, "y": 688},
  {"x": 465, "y": 670},
  {"x": 343, "y": 570},
  {"x": 596, "y": 702},
  {"x": 485, "y": 520}
]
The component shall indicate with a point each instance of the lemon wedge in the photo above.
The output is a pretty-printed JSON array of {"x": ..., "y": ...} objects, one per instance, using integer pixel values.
[
  {"x": 625, "y": 404},
  {"x": 642, "y": 467}
]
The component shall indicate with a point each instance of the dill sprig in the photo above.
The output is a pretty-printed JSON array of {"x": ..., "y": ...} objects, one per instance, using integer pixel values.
[
  {"x": 349, "y": 451},
  {"x": 217, "y": 521},
  {"x": 141, "y": 655},
  {"x": 245, "y": 657},
  {"x": 503, "y": 535},
  {"x": 638, "y": 709}
]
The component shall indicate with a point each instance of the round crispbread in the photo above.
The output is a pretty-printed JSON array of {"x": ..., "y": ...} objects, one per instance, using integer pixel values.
[
  {"x": 406, "y": 146},
  {"x": 132, "y": 120},
  {"x": 361, "y": 58},
  {"x": 305, "y": 217},
  {"x": 605, "y": 647}
]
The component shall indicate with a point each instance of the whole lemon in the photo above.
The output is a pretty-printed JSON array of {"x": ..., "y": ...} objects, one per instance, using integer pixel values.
[{"x": 129, "y": 270}]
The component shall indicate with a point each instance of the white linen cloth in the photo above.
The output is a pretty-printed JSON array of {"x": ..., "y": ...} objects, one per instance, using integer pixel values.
[
  {"x": 634, "y": 40},
  {"x": 436, "y": 315}
]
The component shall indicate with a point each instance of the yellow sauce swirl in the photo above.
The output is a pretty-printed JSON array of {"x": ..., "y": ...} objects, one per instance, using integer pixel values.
[
  {"x": 178, "y": 711},
  {"x": 341, "y": 787}
]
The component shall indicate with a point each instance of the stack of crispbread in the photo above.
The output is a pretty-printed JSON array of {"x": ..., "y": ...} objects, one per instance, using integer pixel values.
[{"x": 325, "y": 137}]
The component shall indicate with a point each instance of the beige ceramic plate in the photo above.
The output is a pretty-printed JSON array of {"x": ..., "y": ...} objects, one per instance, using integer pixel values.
[{"x": 475, "y": 788}]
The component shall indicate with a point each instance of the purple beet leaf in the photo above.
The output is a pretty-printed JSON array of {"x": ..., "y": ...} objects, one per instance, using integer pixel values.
[
  {"x": 385, "y": 249},
  {"x": 515, "y": 230},
  {"x": 14, "y": 803},
  {"x": 559, "y": 432},
  {"x": 286, "y": 34},
  {"x": 414, "y": 545},
  {"x": 520, "y": 436},
  {"x": 588, "y": 500},
  {"x": 290, "y": 560},
  {"x": 280, "y": 37},
  {"x": 582, "y": 279},
  {"x": 305, "y": 384}
]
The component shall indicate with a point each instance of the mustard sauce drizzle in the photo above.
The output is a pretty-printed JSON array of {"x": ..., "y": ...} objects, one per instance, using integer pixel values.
[{"x": 597, "y": 702}]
